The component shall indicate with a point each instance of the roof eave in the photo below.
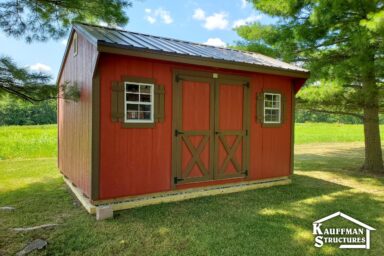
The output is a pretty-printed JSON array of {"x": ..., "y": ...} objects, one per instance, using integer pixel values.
[
  {"x": 103, "y": 46},
  {"x": 64, "y": 59}
]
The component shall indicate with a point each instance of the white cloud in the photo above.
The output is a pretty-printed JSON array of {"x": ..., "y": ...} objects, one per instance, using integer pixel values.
[
  {"x": 199, "y": 14},
  {"x": 64, "y": 42},
  {"x": 244, "y": 4},
  {"x": 216, "y": 42},
  {"x": 150, "y": 19},
  {"x": 40, "y": 67},
  {"x": 165, "y": 16},
  {"x": 248, "y": 20},
  {"x": 159, "y": 13},
  {"x": 216, "y": 21}
]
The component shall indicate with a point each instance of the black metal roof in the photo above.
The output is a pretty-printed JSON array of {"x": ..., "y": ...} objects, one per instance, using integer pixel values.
[{"x": 132, "y": 40}]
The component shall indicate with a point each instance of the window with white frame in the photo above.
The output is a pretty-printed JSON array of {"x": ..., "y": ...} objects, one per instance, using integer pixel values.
[
  {"x": 272, "y": 108},
  {"x": 139, "y": 102}
]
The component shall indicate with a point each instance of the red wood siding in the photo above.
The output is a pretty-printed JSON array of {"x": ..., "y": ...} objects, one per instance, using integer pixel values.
[
  {"x": 74, "y": 118},
  {"x": 138, "y": 160},
  {"x": 133, "y": 160},
  {"x": 270, "y": 146}
]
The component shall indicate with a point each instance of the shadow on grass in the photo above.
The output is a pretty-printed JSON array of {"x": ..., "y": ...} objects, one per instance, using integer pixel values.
[
  {"x": 273, "y": 221},
  {"x": 343, "y": 161},
  {"x": 36, "y": 203},
  {"x": 331, "y": 159}
]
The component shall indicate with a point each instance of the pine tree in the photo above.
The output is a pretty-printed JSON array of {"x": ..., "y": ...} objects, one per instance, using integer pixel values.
[
  {"x": 342, "y": 43},
  {"x": 41, "y": 20}
]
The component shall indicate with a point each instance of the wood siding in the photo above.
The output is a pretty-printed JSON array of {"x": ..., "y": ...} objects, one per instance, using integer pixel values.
[
  {"x": 136, "y": 161},
  {"x": 270, "y": 146},
  {"x": 75, "y": 118}
]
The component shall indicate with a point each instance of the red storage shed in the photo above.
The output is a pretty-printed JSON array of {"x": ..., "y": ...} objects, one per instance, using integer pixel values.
[{"x": 159, "y": 116}]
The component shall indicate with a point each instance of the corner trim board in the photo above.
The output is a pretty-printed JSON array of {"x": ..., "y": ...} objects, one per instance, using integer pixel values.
[
  {"x": 293, "y": 108},
  {"x": 95, "y": 153}
]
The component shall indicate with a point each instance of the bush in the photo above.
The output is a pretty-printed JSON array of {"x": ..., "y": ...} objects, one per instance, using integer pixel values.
[{"x": 17, "y": 112}]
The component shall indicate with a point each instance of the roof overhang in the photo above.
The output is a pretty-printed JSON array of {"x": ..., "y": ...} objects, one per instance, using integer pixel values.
[
  {"x": 103, "y": 46},
  {"x": 186, "y": 59}
]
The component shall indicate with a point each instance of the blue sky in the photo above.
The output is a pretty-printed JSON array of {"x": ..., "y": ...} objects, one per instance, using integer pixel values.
[{"x": 204, "y": 21}]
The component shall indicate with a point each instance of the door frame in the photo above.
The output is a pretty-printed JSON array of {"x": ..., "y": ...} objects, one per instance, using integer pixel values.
[{"x": 214, "y": 80}]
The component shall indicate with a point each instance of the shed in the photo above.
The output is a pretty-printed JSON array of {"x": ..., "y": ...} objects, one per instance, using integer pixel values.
[{"x": 166, "y": 119}]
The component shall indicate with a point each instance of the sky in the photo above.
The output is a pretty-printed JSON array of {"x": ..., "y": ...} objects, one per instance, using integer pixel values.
[{"x": 204, "y": 21}]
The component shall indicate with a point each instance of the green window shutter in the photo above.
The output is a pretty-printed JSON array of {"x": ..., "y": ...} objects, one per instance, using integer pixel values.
[
  {"x": 159, "y": 103},
  {"x": 260, "y": 107},
  {"x": 117, "y": 102},
  {"x": 283, "y": 108}
]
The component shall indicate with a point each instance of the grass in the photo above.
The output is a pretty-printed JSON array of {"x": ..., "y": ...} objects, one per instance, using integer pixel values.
[
  {"x": 330, "y": 132},
  {"x": 272, "y": 221},
  {"x": 28, "y": 141}
]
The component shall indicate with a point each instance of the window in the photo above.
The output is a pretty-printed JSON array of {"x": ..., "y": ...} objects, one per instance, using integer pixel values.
[
  {"x": 139, "y": 105},
  {"x": 75, "y": 45},
  {"x": 272, "y": 108}
]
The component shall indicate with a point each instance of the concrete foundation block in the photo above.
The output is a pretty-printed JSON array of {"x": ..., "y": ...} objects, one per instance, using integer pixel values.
[{"x": 104, "y": 212}]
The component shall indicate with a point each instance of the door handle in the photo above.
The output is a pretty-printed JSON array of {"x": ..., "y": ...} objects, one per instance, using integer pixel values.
[{"x": 177, "y": 132}]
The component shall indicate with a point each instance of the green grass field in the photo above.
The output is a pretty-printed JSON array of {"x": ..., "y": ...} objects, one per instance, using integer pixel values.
[
  {"x": 272, "y": 221},
  {"x": 28, "y": 141},
  {"x": 324, "y": 132},
  {"x": 40, "y": 141}
]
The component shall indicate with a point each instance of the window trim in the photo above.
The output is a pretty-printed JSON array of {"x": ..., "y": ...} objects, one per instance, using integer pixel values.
[
  {"x": 280, "y": 109},
  {"x": 152, "y": 103}
]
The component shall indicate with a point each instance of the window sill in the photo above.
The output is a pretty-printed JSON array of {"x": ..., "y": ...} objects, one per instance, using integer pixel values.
[
  {"x": 271, "y": 125},
  {"x": 138, "y": 125}
]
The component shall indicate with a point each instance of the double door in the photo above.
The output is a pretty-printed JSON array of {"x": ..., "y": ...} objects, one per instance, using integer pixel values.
[{"x": 211, "y": 127}]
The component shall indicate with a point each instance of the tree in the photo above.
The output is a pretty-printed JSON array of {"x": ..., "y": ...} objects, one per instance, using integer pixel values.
[
  {"x": 40, "y": 20},
  {"x": 30, "y": 86},
  {"x": 342, "y": 44},
  {"x": 14, "y": 111}
]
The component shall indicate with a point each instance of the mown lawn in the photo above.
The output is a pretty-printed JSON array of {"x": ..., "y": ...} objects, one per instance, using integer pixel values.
[
  {"x": 272, "y": 221},
  {"x": 325, "y": 132}
]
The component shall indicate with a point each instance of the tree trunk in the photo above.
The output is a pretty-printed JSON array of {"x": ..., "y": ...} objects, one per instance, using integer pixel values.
[
  {"x": 373, "y": 155},
  {"x": 370, "y": 92}
]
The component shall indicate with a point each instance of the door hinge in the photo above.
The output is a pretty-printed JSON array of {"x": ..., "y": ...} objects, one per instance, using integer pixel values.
[
  {"x": 177, "y": 78},
  {"x": 177, "y": 132},
  {"x": 177, "y": 179},
  {"x": 246, "y": 132},
  {"x": 245, "y": 172},
  {"x": 246, "y": 84}
]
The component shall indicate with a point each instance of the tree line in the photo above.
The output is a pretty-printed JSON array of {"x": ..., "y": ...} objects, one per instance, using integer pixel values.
[{"x": 18, "y": 112}]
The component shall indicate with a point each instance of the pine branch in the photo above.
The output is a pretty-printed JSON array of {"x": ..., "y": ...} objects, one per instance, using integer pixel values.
[
  {"x": 25, "y": 96},
  {"x": 336, "y": 112}
]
